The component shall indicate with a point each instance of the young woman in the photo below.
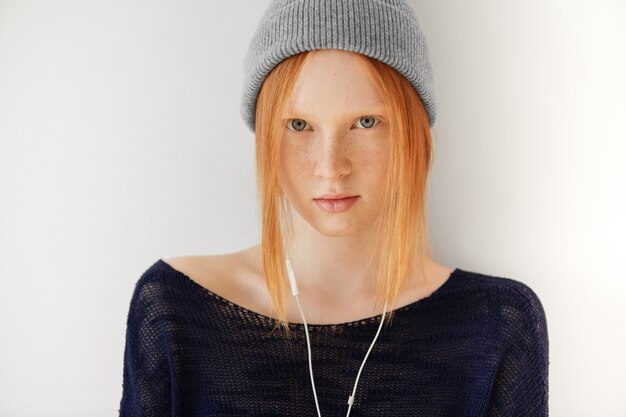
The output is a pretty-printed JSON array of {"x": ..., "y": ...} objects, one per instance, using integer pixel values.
[{"x": 341, "y": 99}]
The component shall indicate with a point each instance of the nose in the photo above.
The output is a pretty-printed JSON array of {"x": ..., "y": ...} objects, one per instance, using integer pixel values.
[{"x": 333, "y": 160}]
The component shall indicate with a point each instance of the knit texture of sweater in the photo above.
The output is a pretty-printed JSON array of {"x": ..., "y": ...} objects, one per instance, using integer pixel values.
[{"x": 477, "y": 346}]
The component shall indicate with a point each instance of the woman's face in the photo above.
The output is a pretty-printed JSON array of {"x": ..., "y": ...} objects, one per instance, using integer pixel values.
[{"x": 335, "y": 140}]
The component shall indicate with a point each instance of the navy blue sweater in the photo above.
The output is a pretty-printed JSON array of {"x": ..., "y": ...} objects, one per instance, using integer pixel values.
[{"x": 477, "y": 346}]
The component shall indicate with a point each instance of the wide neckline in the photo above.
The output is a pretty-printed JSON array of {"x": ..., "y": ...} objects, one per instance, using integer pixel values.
[{"x": 243, "y": 311}]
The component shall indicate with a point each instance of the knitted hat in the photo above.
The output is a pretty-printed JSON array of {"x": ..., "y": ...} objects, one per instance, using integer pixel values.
[{"x": 386, "y": 30}]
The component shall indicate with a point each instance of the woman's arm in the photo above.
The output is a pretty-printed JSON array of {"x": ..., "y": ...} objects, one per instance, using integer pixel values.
[
  {"x": 147, "y": 381},
  {"x": 520, "y": 387}
]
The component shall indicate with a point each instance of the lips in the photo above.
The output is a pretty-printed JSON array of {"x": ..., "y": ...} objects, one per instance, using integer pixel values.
[
  {"x": 336, "y": 205},
  {"x": 334, "y": 196}
]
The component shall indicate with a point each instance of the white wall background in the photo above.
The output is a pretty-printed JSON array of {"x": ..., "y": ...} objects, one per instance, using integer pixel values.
[{"x": 121, "y": 142}]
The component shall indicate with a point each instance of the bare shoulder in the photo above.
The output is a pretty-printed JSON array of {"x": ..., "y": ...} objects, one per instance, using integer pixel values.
[
  {"x": 201, "y": 268},
  {"x": 231, "y": 275}
]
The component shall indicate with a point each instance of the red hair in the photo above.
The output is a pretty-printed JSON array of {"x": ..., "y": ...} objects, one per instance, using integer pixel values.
[{"x": 403, "y": 245}]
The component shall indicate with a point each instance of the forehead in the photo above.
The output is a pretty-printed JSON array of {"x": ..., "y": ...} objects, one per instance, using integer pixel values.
[{"x": 332, "y": 81}]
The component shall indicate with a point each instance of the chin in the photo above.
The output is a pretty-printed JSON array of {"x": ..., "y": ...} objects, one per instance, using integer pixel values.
[
  {"x": 336, "y": 227},
  {"x": 336, "y": 233},
  {"x": 348, "y": 223}
]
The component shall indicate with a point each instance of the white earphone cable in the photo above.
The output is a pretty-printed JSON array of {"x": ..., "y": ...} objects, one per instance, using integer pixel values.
[{"x": 294, "y": 290}]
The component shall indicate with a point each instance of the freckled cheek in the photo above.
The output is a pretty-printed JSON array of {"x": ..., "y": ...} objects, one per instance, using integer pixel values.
[
  {"x": 374, "y": 167},
  {"x": 376, "y": 159},
  {"x": 294, "y": 171},
  {"x": 293, "y": 160}
]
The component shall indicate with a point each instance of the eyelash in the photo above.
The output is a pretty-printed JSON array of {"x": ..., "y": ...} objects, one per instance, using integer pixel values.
[{"x": 378, "y": 121}]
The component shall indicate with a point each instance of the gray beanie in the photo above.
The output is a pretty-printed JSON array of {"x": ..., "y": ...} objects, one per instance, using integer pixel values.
[{"x": 386, "y": 30}]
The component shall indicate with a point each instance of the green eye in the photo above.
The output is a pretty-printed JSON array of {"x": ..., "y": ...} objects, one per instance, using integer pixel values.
[
  {"x": 296, "y": 124},
  {"x": 368, "y": 121}
]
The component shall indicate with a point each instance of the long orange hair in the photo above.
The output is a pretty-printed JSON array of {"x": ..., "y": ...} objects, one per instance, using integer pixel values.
[{"x": 401, "y": 223}]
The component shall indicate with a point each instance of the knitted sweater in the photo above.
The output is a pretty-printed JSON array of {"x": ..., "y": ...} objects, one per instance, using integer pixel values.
[{"x": 477, "y": 346}]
